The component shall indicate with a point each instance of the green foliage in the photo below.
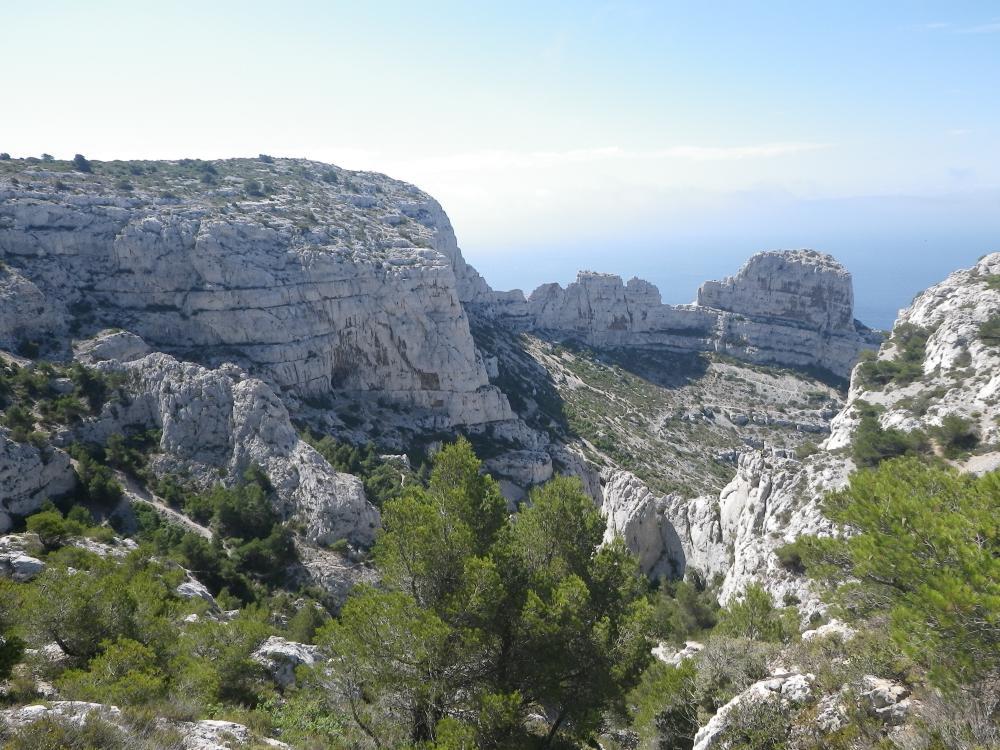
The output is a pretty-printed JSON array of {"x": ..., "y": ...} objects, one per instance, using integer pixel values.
[
  {"x": 483, "y": 616},
  {"x": 956, "y": 435},
  {"x": 253, "y": 188},
  {"x": 873, "y": 444},
  {"x": 11, "y": 646},
  {"x": 19, "y": 421},
  {"x": 53, "y": 530},
  {"x": 805, "y": 450},
  {"x": 790, "y": 557},
  {"x": 989, "y": 331},
  {"x": 684, "y": 609},
  {"x": 383, "y": 480},
  {"x": 754, "y": 617},
  {"x": 95, "y": 481},
  {"x": 82, "y": 164},
  {"x": 757, "y": 725},
  {"x": 925, "y": 551},
  {"x": 125, "y": 673},
  {"x": 911, "y": 343},
  {"x": 214, "y": 660},
  {"x": 666, "y": 711},
  {"x": 106, "y": 601}
]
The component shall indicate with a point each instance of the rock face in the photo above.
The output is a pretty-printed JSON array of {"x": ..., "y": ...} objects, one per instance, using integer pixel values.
[
  {"x": 668, "y": 534},
  {"x": 774, "y": 497},
  {"x": 28, "y": 476},
  {"x": 281, "y": 657},
  {"x": 960, "y": 370},
  {"x": 221, "y": 421},
  {"x": 316, "y": 289},
  {"x": 786, "y": 688},
  {"x": 27, "y": 315},
  {"x": 788, "y": 308},
  {"x": 802, "y": 287}
]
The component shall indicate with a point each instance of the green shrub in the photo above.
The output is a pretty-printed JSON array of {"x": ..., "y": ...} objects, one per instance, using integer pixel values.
[
  {"x": 81, "y": 164},
  {"x": 805, "y": 450},
  {"x": 253, "y": 188},
  {"x": 911, "y": 346},
  {"x": 956, "y": 435},
  {"x": 753, "y": 616},
  {"x": 757, "y": 725},
  {"x": 989, "y": 331},
  {"x": 873, "y": 444},
  {"x": 684, "y": 609},
  {"x": 126, "y": 673},
  {"x": 924, "y": 551},
  {"x": 790, "y": 557},
  {"x": 666, "y": 710}
]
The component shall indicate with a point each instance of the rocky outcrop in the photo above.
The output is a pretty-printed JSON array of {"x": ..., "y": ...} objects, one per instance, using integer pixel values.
[
  {"x": 668, "y": 534},
  {"x": 318, "y": 289},
  {"x": 29, "y": 476},
  {"x": 775, "y": 498},
  {"x": 770, "y": 502},
  {"x": 787, "y": 308},
  {"x": 25, "y": 314},
  {"x": 217, "y": 423},
  {"x": 788, "y": 689},
  {"x": 960, "y": 369},
  {"x": 802, "y": 287},
  {"x": 208, "y": 734},
  {"x": 281, "y": 657}
]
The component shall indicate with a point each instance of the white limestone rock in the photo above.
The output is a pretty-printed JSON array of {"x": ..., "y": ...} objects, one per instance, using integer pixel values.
[
  {"x": 788, "y": 688},
  {"x": 367, "y": 298},
  {"x": 19, "y": 567},
  {"x": 282, "y": 657},
  {"x": 790, "y": 308},
  {"x": 886, "y": 700},
  {"x": 194, "y": 589},
  {"x": 29, "y": 476},
  {"x": 25, "y": 313},
  {"x": 668, "y": 534},
  {"x": 961, "y": 370},
  {"x": 222, "y": 420},
  {"x": 672, "y": 656}
]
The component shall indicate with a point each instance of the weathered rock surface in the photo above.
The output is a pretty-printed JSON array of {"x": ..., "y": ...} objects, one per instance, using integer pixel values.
[
  {"x": 25, "y": 313},
  {"x": 961, "y": 369},
  {"x": 207, "y": 734},
  {"x": 669, "y": 533},
  {"x": 282, "y": 657},
  {"x": 222, "y": 420},
  {"x": 788, "y": 308},
  {"x": 787, "y": 688},
  {"x": 315, "y": 289},
  {"x": 672, "y": 656},
  {"x": 29, "y": 476}
]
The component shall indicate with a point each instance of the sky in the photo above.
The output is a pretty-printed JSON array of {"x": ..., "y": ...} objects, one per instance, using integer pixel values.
[{"x": 666, "y": 140}]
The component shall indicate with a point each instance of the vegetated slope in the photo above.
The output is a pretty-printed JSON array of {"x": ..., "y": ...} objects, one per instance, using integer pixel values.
[{"x": 676, "y": 420}]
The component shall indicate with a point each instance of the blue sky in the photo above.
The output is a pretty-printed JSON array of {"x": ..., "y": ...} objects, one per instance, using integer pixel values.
[{"x": 668, "y": 140}]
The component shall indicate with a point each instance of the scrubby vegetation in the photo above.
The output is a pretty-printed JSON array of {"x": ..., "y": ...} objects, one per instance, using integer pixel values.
[
  {"x": 910, "y": 344},
  {"x": 925, "y": 551},
  {"x": 491, "y": 631},
  {"x": 383, "y": 480}
]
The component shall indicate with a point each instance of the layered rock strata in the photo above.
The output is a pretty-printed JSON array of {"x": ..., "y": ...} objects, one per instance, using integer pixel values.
[
  {"x": 787, "y": 308},
  {"x": 316, "y": 288}
]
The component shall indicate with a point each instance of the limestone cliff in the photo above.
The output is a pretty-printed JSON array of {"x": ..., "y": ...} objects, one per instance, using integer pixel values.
[
  {"x": 787, "y": 308},
  {"x": 775, "y": 497},
  {"x": 317, "y": 279}
]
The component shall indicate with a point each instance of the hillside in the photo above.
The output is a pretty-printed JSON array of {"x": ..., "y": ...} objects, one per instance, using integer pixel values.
[{"x": 233, "y": 511}]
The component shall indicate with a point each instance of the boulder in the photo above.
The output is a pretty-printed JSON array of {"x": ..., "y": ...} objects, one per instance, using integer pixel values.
[{"x": 281, "y": 658}]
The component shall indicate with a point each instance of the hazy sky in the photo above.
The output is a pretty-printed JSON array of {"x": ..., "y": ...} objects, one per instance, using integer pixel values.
[{"x": 665, "y": 139}]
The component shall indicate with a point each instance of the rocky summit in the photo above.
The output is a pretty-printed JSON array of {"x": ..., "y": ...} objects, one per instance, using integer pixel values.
[{"x": 279, "y": 468}]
